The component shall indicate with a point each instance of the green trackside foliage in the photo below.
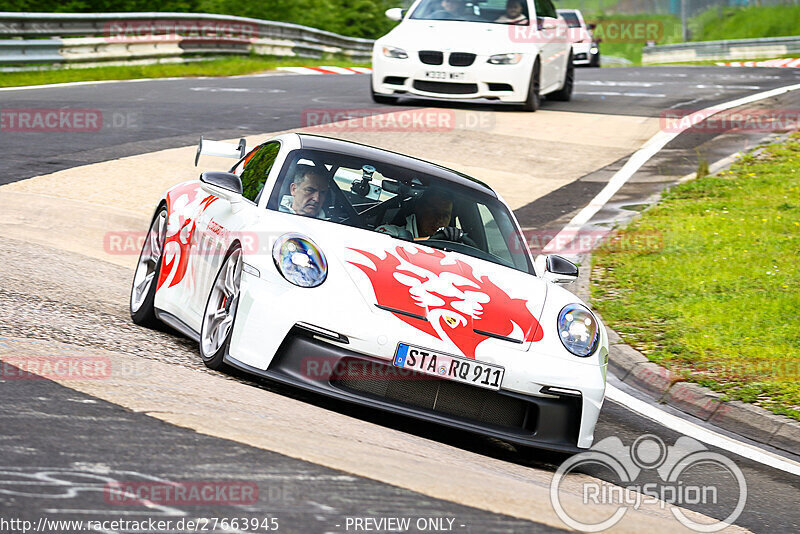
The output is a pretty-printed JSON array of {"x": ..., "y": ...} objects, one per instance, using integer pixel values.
[{"x": 718, "y": 299}]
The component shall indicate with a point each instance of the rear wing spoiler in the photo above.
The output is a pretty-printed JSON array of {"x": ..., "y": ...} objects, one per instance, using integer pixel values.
[{"x": 222, "y": 149}]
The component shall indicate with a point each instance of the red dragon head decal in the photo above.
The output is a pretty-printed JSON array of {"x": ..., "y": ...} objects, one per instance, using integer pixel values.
[{"x": 448, "y": 300}]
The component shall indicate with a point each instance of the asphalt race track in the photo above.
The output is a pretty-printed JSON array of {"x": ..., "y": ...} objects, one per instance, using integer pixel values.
[{"x": 60, "y": 445}]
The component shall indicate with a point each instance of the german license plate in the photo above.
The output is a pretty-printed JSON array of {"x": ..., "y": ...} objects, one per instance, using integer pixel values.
[
  {"x": 444, "y": 75},
  {"x": 485, "y": 375}
]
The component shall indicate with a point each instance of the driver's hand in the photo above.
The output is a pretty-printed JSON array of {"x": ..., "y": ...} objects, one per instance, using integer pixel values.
[
  {"x": 448, "y": 233},
  {"x": 451, "y": 233}
]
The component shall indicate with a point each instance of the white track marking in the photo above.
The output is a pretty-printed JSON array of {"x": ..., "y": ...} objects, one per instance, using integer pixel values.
[
  {"x": 295, "y": 70},
  {"x": 98, "y": 82},
  {"x": 611, "y": 83},
  {"x": 714, "y": 86},
  {"x": 221, "y": 89},
  {"x": 616, "y": 93},
  {"x": 699, "y": 433},
  {"x": 639, "y": 158}
]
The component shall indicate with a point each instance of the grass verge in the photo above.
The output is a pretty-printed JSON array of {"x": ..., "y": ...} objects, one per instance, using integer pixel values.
[
  {"x": 717, "y": 299},
  {"x": 231, "y": 66}
]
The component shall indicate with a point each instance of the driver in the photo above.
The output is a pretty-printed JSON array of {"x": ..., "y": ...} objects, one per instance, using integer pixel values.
[
  {"x": 307, "y": 193},
  {"x": 431, "y": 220},
  {"x": 451, "y": 10}
]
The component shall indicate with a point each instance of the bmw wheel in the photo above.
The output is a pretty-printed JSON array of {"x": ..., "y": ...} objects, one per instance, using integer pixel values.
[
  {"x": 534, "y": 99},
  {"x": 565, "y": 93},
  {"x": 220, "y": 311},
  {"x": 145, "y": 278}
]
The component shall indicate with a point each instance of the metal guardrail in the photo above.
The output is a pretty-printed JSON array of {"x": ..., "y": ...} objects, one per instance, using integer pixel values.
[
  {"x": 721, "y": 50},
  {"x": 31, "y": 51},
  {"x": 103, "y": 37}
]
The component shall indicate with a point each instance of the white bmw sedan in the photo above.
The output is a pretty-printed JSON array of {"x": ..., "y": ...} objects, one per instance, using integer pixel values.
[{"x": 513, "y": 51}]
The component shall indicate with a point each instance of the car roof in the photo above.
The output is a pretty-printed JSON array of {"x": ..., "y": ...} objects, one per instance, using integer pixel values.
[{"x": 330, "y": 144}]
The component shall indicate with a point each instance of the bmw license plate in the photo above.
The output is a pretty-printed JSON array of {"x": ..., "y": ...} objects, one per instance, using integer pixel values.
[
  {"x": 456, "y": 368},
  {"x": 443, "y": 75}
]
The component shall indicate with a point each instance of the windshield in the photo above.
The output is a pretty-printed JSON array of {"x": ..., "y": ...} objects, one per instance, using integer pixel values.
[
  {"x": 572, "y": 19},
  {"x": 389, "y": 199},
  {"x": 491, "y": 11}
]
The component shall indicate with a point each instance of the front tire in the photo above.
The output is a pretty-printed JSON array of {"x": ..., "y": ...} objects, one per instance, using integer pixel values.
[
  {"x": 220, "y": 311},
  {"x": 148, "y": 270},
  {"x": 565, "y": 93},
  {"x": 534, "y": 99}
]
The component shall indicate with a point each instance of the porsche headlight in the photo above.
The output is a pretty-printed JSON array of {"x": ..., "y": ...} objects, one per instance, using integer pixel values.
[
  {"x": 394, "y": 52},
  {"x": 505, "y": 59},
  {"x": 299, "y": 260},
  {"x": 578, "y": 330}
]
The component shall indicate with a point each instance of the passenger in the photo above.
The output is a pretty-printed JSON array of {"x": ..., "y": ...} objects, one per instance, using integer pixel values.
[
  {"x": 432, "y": 211},
  {"x": 307, "y": 193},
  {"x": 514, "y": 13}
]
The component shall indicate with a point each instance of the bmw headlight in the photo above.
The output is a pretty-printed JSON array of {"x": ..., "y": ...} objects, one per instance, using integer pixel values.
[
  {"x": 299, "y": 260},
  {"x": 578, "y": 330},
  {"x": 505, "y": 59},
  {"x": 394, "y": 52}
]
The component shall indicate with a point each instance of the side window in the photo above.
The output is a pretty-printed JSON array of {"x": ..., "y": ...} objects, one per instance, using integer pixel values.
[
  {"x": 256, "y": 170},
  {"x": 545, "y": 8}
]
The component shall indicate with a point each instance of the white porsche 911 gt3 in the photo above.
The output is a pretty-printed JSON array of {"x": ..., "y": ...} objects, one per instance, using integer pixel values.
[
  {"x": 380, "y": 279},
  {"x": 514, "y": 52}
]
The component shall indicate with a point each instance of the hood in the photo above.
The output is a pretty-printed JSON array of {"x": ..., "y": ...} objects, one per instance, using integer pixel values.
[
  {"x": 460, "y": 300},
  {"x": 457, "y": 36}
]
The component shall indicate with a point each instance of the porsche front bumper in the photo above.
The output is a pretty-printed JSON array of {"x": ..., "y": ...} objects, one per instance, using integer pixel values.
[{"x": 550, "y": 422}]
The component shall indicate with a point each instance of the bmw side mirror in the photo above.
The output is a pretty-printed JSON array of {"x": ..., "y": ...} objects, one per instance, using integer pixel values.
[
  {"x": 559, "y": 270},
  {"x": 222, "y": 184},
  {"x": 395, "y": 13}
]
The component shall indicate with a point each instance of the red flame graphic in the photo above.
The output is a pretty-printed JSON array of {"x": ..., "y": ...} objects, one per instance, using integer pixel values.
[
  {"x": 444, "y": 290},
  {"x": 183, "y": 238}
]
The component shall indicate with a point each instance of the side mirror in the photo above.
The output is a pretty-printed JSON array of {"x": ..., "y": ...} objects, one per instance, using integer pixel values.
[
  {"x": 222, "y": 184},
  {"x": 395, "y": 13},
  {"x": 591, "y": 26},
  {"x": 559, "y": 270}
]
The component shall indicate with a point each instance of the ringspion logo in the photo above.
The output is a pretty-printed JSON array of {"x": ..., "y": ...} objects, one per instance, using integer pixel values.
[{"x": 650, "y": 472}]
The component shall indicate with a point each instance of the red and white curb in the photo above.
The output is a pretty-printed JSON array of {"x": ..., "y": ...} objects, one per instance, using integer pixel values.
[
  {"x": 326, "y": 70},
  {"x": 785, "y": 62}
]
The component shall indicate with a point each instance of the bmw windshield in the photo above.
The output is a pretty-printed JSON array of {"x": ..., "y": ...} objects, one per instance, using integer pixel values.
[{"x": 491, "y": 11}]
